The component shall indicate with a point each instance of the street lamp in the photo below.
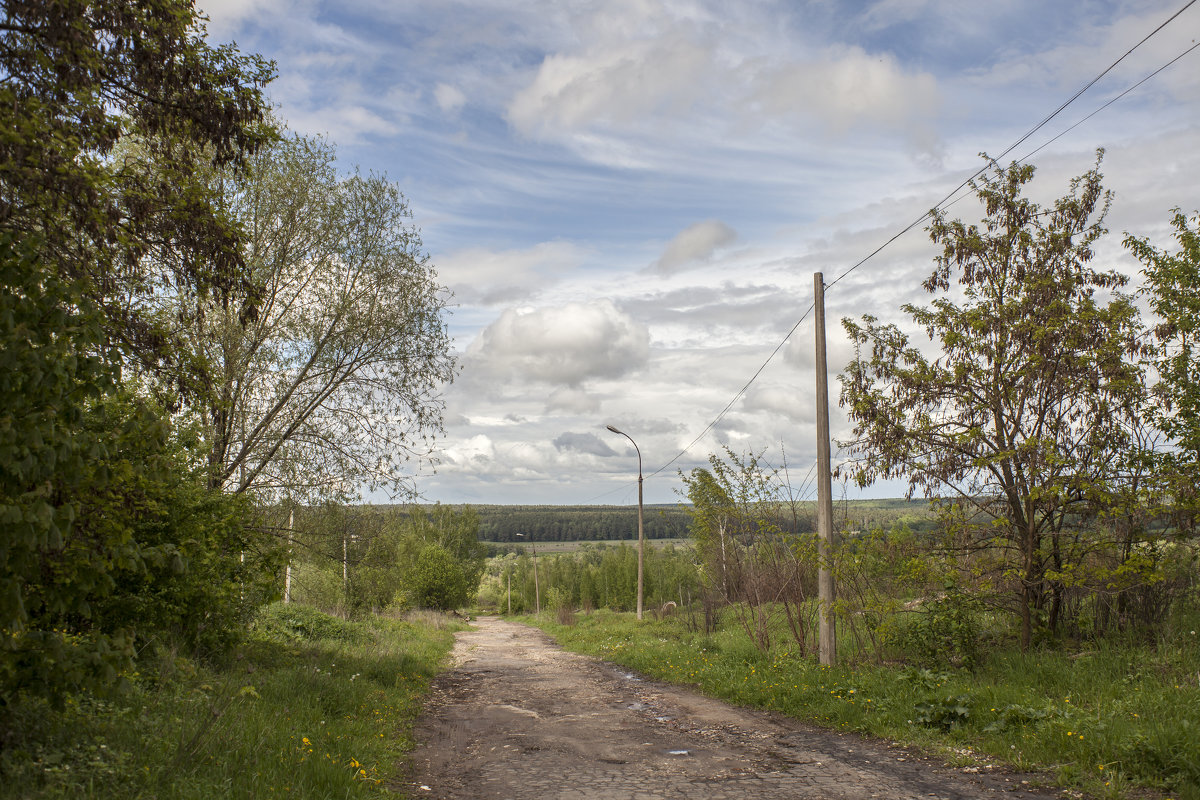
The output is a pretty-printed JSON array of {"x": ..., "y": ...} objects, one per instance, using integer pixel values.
[{"x": 641, "y": 534}]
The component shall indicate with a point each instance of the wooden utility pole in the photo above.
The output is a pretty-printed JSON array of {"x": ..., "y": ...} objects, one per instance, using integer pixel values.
[{"x": 825, "y": 586}]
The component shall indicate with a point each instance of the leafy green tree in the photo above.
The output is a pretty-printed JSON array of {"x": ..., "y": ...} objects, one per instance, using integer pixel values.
[
  {"x": 87, "y": 474},
  {"x": 81, "y": 75},
  {"x": 1173, "y": 288},
  {"x": 437, "y": 580},
  {"x": 52, "y": 372},
  {"x": 109, "y": 536},
  {"x": 1021, "y": 417}
]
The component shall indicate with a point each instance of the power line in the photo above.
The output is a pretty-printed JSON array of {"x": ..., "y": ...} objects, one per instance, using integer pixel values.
[
  {"x": 736, "y": 397},
  {"x": 1046, "y": 120}
]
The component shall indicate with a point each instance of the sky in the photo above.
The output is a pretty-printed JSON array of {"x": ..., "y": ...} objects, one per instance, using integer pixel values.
[{"x": 629, "y": 199}]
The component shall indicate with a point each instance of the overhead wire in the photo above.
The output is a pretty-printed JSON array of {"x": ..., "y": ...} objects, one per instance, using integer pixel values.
[
  {"x": 1045, "y": 121},
  {"x": 947, "y": 200}
]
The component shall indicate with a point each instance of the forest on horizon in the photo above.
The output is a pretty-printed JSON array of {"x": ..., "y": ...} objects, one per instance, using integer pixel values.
[{"x": 570, "y": 523}]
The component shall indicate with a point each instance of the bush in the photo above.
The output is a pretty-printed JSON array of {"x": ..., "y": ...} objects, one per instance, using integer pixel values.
[
  {"x": 290, "y": 622},
  {"x": 944, "y": 631},
  {"x": 437, "y": 580}
]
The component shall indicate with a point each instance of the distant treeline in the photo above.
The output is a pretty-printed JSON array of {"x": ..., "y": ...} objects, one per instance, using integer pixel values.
[
  {"x": 579, "y": 523},
  {"x": 547, "y": 523}
]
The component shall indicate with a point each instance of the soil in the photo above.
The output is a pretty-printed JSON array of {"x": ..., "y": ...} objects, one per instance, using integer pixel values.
[{"x": 518, "y": 717}]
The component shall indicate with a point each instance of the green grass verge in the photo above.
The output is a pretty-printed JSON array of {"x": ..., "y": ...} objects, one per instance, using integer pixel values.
[
  {"x": 1113, "y": 720},
  {"x": 311, "y": 706}
]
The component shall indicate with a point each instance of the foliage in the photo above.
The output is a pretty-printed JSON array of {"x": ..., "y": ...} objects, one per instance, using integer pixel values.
[
  {"x": 108, "y": 541},
  {"x": 1026, "y": 410},
  {"x": 593, "y": 576},
  {"x": 1173, "y": 288},
  {"x": 745, "y": 522},
  {"x": 152, "y": 557},
  {"x": 327, "y": 377},
  {"x": 944, "y": 712},
  {"x": 354, "y": 560},
  {"x": 944, "y": 630},
  {"x": 437, "y": 581},
  {"x": 52, "y": 374},
  {"x": 79, "y": 76},
  {"x": 578, "y": 523},
  {"x": 292, "y": 622},
  {"x": 313, "y": 707}
]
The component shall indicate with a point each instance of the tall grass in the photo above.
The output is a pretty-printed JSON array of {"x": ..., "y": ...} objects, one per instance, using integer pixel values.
[
  {"x": 1120, "y": 715},
  {"x": 311, "y": 706}
]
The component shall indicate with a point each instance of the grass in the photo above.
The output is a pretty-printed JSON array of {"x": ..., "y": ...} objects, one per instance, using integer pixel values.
[
  {"x": 1115, "y": 720},
  {"x": 311, "y": 706}
]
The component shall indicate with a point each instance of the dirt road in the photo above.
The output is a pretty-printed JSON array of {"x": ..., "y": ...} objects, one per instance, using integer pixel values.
[{"x": 517, "y": 717}]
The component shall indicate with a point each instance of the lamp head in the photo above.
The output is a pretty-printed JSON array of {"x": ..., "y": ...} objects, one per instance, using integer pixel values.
[{"x": 614, "y": 430}]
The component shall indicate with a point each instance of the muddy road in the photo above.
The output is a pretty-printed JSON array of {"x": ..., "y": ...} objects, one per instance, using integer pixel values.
[{"x": 517, "y": 717}]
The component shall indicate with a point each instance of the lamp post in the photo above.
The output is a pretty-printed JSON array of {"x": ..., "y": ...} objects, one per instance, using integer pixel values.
[{"x": 641, "y": 534}]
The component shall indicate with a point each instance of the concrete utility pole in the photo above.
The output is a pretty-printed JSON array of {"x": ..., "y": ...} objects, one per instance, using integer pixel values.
[
  {"x": 825, "y": 586},
  {"x": 287, "y": 575},
  {"x": 641, "y": 531},
  {"x": 537, "y": 592}
]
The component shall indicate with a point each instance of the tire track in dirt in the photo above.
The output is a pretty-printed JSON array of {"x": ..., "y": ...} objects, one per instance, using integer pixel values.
[{"x": 517, "y": 717}]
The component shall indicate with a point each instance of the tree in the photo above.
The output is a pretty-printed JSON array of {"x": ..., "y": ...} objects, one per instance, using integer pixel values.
[
  {"x": 88, "y": 473},
  {"x": 437, "y": 580},
  {"x": 1022, "y": 416},
  {"x": 328, "y": 376},
  {"x": 745, "y": 523},
  {"x": 80, "y": 76},
  {"x": 1173, "y": 287}
]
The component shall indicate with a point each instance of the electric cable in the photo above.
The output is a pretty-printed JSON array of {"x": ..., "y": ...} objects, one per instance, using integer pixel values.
[{"x": 947, "y": 199}]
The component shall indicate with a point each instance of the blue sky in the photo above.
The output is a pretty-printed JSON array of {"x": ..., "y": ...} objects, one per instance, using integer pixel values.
[{"x": 629, "y": 198}]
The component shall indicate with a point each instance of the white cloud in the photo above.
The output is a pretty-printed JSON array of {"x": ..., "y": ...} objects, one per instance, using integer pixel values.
[
  {"x": 573, "y": 400},
  {"x": 564, "y": 345},
  {"x": 449, "y": 98},
  {"x": 696, "y": 243},
  {"x": 845, "y": 88},
  {"x": 613, "y": 85},
  {"x": 684, "y": 73},
  {"x": 791, "y": 402},
  {"x": 225, "y": 16},
  {"x": 480, "y": 275},
  {"x": 584, "y": 443}
]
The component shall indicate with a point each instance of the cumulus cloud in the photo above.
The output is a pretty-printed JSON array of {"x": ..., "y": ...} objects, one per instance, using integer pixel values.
[
  {"x": 562, "y": 345},
  {"x": 583, "y": 443},
  {"x": 694, "y": 244}
]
